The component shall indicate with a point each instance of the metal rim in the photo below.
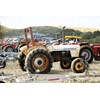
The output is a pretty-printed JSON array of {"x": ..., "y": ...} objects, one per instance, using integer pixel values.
[
  {"x": 86, "y": 54},
  {"x": 79, "y": 66},
  {"x": 9, "y": 49},
  {"x": 66, "y": 63},
  {"x": 40, "y": 62}
]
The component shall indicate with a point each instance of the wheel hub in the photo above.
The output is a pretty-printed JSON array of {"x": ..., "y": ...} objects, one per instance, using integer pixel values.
[
  {"x": 65, "y": 64},
  {"x": 9, "y": 49},
  {"x": 86, "y": 54},
  {"x": 38, "y": 62},
  {"x": 79, "y": 66}
]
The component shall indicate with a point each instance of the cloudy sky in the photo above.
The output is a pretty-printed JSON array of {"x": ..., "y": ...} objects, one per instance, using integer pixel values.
[
  {"x": 72, "y": 13},
  {"x": 70, "y": 21}
]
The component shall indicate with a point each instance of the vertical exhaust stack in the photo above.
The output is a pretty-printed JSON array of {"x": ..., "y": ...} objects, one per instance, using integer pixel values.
[
  {"x": 63, "y": 34},
  {"x": 26, "y": 31},
  {"x": 31, "y": 34}
]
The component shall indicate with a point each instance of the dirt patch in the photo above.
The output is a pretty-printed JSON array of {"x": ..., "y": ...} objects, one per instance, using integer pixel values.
[{"x": 94, "y": 70}]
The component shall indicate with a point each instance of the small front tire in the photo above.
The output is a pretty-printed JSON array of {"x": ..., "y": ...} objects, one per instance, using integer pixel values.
[
  {"x": 78, "y": 65},
  {"x": 65, "y": 63}
]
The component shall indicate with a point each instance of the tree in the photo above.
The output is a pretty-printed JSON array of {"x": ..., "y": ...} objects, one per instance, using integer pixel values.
[
  {"x": 96, "y": 40},
  {"x": 88, "y": 35},
  {"x": 96, "y": 33},
  {"x": 1, "y": 31}
]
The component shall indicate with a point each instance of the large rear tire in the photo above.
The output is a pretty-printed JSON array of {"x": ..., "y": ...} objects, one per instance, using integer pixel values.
[
  {"x": 21, "y": 61},
  {"x": 86, "y": 53},
  {"x": 39, "y": 61}
]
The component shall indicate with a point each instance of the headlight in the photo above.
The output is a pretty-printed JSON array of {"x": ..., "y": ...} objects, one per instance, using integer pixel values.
[{"x": 91, "y": 44}]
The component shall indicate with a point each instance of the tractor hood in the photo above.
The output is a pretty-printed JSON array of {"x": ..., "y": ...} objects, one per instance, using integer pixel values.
[{"x": 74, "y": 49}]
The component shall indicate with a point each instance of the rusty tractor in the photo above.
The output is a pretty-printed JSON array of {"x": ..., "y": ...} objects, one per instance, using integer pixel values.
[{"x": 36, "y": 57}]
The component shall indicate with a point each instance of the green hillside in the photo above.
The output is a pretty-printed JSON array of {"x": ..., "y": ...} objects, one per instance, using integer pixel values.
[
  {"x": 50, "y": 30},
  {"x": 87, "y": 33}
]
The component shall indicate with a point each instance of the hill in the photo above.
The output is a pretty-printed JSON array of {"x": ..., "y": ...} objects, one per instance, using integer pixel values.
[
  {"x": 49, "y": 30},
  {"x": 85, "y": 29}
]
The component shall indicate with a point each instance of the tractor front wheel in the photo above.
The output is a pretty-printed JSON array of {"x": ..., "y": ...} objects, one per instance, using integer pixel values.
[
  {"x": 65, "y": 63},
  {"x": 78, "y": 65}
]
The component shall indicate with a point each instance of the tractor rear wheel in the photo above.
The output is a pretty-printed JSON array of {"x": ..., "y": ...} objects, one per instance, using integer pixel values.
[
  {"x": 9, "y": 48},
  {"x": 21, "y": 61},
  {"x": 39, "y": 61},
  {"x": 78, "y": 65},
  {"x": 65, "y": 63},
  {"x": 86, "y": 53}
]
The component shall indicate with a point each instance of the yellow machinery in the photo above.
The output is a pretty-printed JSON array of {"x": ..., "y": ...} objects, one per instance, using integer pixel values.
[{"x": 77, "y": 37}]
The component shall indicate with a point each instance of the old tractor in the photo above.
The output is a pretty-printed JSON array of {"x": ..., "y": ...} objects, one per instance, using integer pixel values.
[
  {"x": 37, "y": 57},
  {"x": 88, "y": 51},
  {"x": 7, "y": 45},
  {"x": 10, "y": 46}
]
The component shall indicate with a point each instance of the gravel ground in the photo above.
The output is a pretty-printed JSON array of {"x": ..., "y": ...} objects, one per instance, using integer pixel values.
[{"x": 93, "y": 77}]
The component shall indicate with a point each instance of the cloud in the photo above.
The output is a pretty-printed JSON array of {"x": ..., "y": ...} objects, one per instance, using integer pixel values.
[{"x": 73, "y": 21}]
